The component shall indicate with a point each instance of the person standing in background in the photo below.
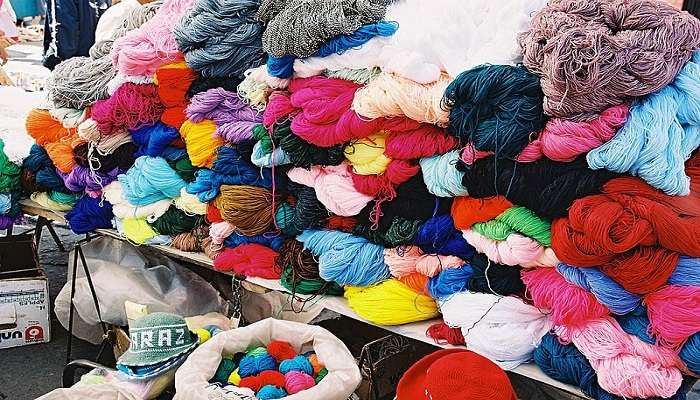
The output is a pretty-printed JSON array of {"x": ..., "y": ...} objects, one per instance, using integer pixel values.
[{"x": 69, "y": 29}]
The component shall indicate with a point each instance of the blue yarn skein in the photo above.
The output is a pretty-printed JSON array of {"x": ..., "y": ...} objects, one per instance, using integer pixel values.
[
  {"x": 149, "y": 180},
  {"x": 687, "y": 272},
  {"x": 450, "y": 281},
  {"x": 38, "y": 162},
  {"x": 5, "y": 203},
  {"x": 298, "y": 363},
  {"x": 441, "y": 177},
  {"x": 607, "y": 291},
  {"x": 283, "y": 67},
  {"x": 438, "y": 235},
  {"x": 261, "y": 159},
  {"x": 496, "y": 107},
  {"x": 153, "y": 139},
  {"x": 661, "y": 132},
  {"x": 270, "y": 392},
  {"x": 171, "y": 153},
  {"x": 346, "y": 259},
  {"x": 272, "y": 240},
  {"x": 253, "y": 365},
  {"x": 89, "y": 214}
]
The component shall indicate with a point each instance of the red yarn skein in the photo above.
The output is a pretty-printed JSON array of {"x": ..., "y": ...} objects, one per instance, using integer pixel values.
[
  {"x": 467, "y": 211},
  {"x": 281, "y": 350},
  {"x": 443, "y": 334},
  {"x": 269, "y": 377},
  {"x": 250, "y": 259}
]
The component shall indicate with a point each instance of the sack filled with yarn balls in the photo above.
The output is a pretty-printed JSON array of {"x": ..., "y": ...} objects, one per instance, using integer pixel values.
[
  {"x": 390, "y": 302},
  {"x": 89, "y": 214},
  {"x": 438, "y": 235},
  {"x": 45, "y": 129},
  {"x": 250, "y": 260},
  {"x": 548, "y": 188},
  {"x": 132, "y": 106},
  {"x": 341, "y": 379},
  {"x": 234, "y": 118},
  {"x": 141, "y": 51},
  {"x": 149, "y": 180},
  {"x": 660, "y": 135},
  {"x": 504, "y": 329},
  {"x": 618, "y": 368},
  {"x": 345, "y": 258},
  {"x": 581, "y": 52},
  {"x": 248, "y": 208},
  {"x": 496, "y": 107},
  {"x": 591, "y": 235}
]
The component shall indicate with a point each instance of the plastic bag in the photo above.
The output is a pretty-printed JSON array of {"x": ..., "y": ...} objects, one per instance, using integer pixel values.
[
  {"x": 343, "y": 377},
  {"x": 121, "y": 271}
]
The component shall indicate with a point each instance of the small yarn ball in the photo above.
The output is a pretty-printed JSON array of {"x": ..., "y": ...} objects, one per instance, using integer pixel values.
[
  {"x": 234, "y": 378},
  {"x": 321, "y": 374},
  {"x": 252, "y": 365},
  {"x": 213, "y": 329},
  {"x": 297, "y": 381},
  {"x": 270, "y": 392},
  {"x": 226, "y": 366},
  {"x": 257, "y": 352},
  {"x": 298, "y": 363},
  {"x": 313, "y": 359},
  {"x": 281, "y": 350},
  {"x": 202, "y": 334},
  {"x": 255, "y": 383}
]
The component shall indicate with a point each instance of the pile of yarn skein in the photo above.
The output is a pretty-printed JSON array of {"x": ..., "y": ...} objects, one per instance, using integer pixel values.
[{"x": 535, "y": 186}]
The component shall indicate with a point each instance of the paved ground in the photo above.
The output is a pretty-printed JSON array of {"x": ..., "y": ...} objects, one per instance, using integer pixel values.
[{"x": 30, "y": 371}]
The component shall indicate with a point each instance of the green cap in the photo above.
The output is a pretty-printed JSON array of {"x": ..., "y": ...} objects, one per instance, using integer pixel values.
[{"x": 156, "y": 338}]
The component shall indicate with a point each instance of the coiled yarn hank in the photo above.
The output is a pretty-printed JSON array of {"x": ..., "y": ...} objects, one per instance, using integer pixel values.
[
  {"x": 79, "y": 82},
  {"x": 390, "y": 302},
  {"x": 503, "y": 329},
  {"x": 466, "y": 211},
  {"x": 173, "y": 81},
  {"x": 516, "y": 249},
  {"x": 45, "y": 200},
  {"x": 449, "y": 282},
  {"x": 366, "y": 156},
  {"x": 248, "y": 208},
  {"x": 333, "y": 187},
  {"x": 137, "y": 230},
  {"x": 439, "y": 236},
  {"x": 45, "y": 129},
  {"x": 149, "y": 180},
  {"x": 599, "y": 54},
  {"x": 625, "y": 365},
  {"x": 390, "y": 95},
  {"x": 548, "y": 188},
  {"x": 661, "y": 133},
  {"x": 516, "y": 219},
  {"x": 201, "y": 143},
  {"x": 81, "y": 178},
  {"x": 617, "y": 229},
  {"x": 329, "y": 19},
  {"x": 141, "y": 51},
  {"x": 249, "y": 259},
  {"x": 114, "y": 194},
  {"x": 569, "y": 304},
  {"x": 153, "y": 139},
  {"x": 440, "y": 175},
  {"x": 121, "y": 157},
  {"x": 307, "y": 211},
  {"x": 490, "y": 277},
  {"x": 425, "y": 141},
  {"x": 401, "y": 231},
  {"x": 673, "y": 314},
  {"x": 190, "y": 204},
  {"x": 220, "y": 38},
  {"x": 132, "y": 106},
  {"x": 403, "y": 261},
  {"x": 234, "y": 118},
  {"x": 301, "y": 153},
  {"x": 345, "y": 258},
  {"x": 89, "y": 214},
  {"x": 607, "y": 291},
  {"x": 496, "y": 107},
  {"x": 175, "y": 221},
  {"x": 564, "y": 140}
]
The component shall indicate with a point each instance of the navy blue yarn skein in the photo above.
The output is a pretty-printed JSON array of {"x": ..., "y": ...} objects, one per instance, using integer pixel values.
[
  {"x": 153, "y": 139},
  {"x": 40, "y": 164},
  {"x": 272, "y": 240},
  {"x": 438, "y": 235},
  {"x": 491, "y": 277},
  {"x": 89, "y": 214},
  {"x": 496, "y": 107}
]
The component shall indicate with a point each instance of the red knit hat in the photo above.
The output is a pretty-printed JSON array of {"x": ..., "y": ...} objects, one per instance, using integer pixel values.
[{"x": 455, "y": 374}]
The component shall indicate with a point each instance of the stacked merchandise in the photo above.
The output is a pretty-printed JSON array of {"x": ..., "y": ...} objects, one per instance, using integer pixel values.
[{"x": 535, "y": 184}]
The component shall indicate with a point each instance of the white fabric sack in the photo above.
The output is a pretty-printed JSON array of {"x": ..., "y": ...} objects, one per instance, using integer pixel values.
[{"x": 343, "y": 377}]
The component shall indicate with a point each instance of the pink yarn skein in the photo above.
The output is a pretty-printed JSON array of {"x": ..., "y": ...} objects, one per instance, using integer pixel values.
[
  {"x": 626, "y": 366},
  {"x": 132, "y": 106},
  {"x": 219, "y": 231},
  {"x": 515, "y": 250},
  {"x": 568, "y": 303},
  {"x": 296, "y": 381},
  {"x": 403, "y": 261},
  {"x": 141, "y": 51},
  {"x": 674, "y": 314}
]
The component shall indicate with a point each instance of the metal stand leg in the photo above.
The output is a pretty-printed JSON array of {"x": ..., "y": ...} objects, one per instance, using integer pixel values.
[{"x": 42, "y": 222}]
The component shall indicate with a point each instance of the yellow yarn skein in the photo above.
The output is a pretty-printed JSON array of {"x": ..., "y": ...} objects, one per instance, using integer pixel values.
[
  {"x": 367, "y": 154},
  {"x": 390, "y": 302},
  {"x": 200, "y": 141}
]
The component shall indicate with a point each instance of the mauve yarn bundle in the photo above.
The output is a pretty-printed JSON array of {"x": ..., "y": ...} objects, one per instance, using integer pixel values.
[{"x": 537, "y": 184}]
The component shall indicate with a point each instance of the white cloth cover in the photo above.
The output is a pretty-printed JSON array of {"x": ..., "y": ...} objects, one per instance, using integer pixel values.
[{"x": 192, "y": 378}]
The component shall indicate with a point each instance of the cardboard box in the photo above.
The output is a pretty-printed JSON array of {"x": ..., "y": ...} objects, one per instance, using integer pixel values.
[{"x": 24, "y": 294}]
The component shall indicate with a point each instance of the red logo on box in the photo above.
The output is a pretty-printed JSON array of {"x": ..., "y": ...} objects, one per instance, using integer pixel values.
[{"x": 34, "y": 333}]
